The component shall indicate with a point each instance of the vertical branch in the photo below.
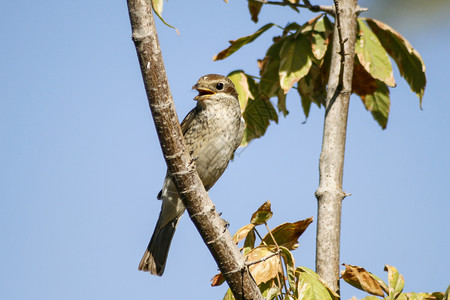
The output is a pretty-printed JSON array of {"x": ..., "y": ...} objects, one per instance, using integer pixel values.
[
  {"x": 329, "y": 193},
  {"x": 199, "y": 206}
]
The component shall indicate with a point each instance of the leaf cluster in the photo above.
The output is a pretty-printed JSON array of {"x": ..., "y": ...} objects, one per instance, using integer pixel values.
[
  {"x": 271, "y": 262},
  {"x": 363, "y": 280},
  {"x": 300, "y": 57}
]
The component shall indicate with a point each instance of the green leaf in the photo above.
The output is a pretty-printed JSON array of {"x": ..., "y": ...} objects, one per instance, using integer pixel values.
[
  {"x": 408, "y": 60},
  {"x": 378, "y": 104},
  {"x": 157, "y": 6},
  {"x": 417, "y": 296},
  {"x": 287, "y": 234},
  {"x": 295, "y": 61},
  {"x": 291, "y": 27},
  {"x": 254, "y": 9},
  {"x": 281, "y": 104},
  {"x": 237, "y": 44},
  {"x": 372, "y": 55},
  {"x": 240, "y": 81},
  {"x": 262, "y": 215},
  {"x": 289, "y": 262},
  {"x": 229, "y": 295},
  {"x": 306, "y": 105},
  {"x": 249, "y": 242},
  {"x": 311, "y": 287},
  {"x": 320, "y": 37},
  {"x": 313, "y": 86},
  {"x": 257, "y": 114},
  {"x": 383, "y": 285},
  {"x": 271, "y": 293},
  {"x": 270, "y": 80},
  {"x": 395, "y": 281}
]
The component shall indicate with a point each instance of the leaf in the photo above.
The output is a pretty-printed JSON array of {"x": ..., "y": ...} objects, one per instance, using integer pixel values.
[
  {"x": 229, "y": 295},
  {"x": 265, "y": 270},
  {"x": 271, "y": 293},
  {"x": 287, "y": 234},
  {"x": 319, "y": 36},
  {"x": 270, "y": 79},
  {"x": 395, "y": 281},
  {"x": 419, "y": 296},
  {"x": 295, "y": 61},
  {"x": 372, "y": 56},
  {"x": 249, "y": 242},
  {"x": 306, "y": 105},
  {"x": 254, "y": 9},
  {"x": 157, "y": 6},
  {"x": 289, "y": 263},
  {"x": 361, "y": 279},
  {"x": 291, "y": 27},
  {"x": 362, "y": 83},
  {"x": 408, "y": 60},
  {"x": 217, "y": 280},
  {"x": 383, "y": 285},
  {"x": 262, "y": 215},
  {"x": 237, "y": 44},
  {"x": 242, "y": 233},
  {"x": 257, "y": 114},
  {"x": 313, "y": 86},
  {"x": 240, "y": 81},
  {"x": 281, "y": 104},
  {"x": 309, "y": 26},
  {"x": 311, "y": 287},
  {"x": 378, "y": 104}
]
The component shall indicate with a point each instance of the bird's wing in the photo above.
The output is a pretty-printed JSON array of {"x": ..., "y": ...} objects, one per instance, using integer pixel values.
[{"x": 185, "y": 124}]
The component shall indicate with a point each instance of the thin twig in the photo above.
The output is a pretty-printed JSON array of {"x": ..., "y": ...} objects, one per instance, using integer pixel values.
[
  {"x": 263, "y": 259},
  {"x": 257, "y": 233},
  {"x": 282, "y": 283},
  {"x": 313, "y": 8}
]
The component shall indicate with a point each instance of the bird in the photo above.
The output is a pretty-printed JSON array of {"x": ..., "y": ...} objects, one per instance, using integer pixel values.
[{"x": 212, "y": 130}]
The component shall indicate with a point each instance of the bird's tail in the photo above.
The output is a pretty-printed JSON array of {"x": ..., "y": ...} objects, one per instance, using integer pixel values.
[{"x": 155, "y": 256}]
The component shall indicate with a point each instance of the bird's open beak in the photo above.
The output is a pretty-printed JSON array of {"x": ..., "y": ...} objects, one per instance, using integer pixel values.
[{"x": 203, "y": 92}]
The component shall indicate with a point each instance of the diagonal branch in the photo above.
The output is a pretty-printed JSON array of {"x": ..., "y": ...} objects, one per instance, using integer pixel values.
[{"x": 200, "y": 208}]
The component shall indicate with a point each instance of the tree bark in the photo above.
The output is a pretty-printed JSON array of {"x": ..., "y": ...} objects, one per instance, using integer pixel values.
[
  {"x": 329, "y": 193},
  {"x": 200, "y": 208}
]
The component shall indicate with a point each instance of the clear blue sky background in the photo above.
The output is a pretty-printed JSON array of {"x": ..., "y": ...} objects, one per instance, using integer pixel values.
[{"x": 81, "y": 164}]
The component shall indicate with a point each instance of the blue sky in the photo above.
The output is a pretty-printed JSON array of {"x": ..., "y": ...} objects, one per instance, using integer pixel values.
[{"x": 81, "y": 164}]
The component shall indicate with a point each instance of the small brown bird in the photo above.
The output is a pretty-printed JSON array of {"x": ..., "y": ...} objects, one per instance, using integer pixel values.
[{"x": 213, "y": 130}]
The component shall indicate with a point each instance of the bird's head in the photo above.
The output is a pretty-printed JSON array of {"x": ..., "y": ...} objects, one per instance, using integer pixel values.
[{"x": 210, "y": 85}]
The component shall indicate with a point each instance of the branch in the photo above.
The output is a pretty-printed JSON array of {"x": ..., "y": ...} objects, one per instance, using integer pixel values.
[
  {"x": 313, "y": 8},
  {"x": 200, "y": 208},
  {"x": 331, "y": 164}
]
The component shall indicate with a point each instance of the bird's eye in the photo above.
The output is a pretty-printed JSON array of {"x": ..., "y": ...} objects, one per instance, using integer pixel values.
[{"x": 219, "y": 86}]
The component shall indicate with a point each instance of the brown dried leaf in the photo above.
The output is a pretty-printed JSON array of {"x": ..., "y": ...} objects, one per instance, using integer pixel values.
[
  {"x": 242, "y": 233},
  {"x": 217, "y": 280},
  {"x": 287, "y": 234},
  {"x": 361, "y": 279},
  {"x": 265, "y": 270}
]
